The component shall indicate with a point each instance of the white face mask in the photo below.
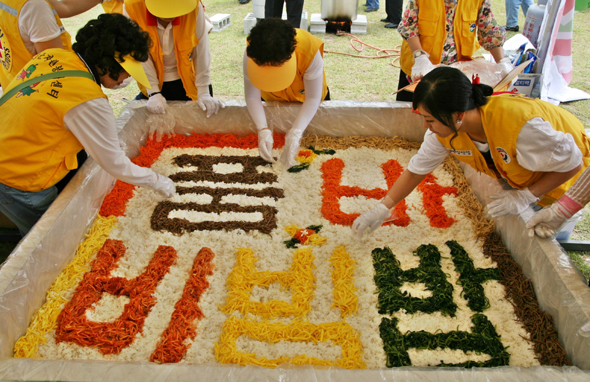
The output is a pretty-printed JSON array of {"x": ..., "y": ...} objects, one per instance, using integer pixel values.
[{"x": 125, "y": 83}]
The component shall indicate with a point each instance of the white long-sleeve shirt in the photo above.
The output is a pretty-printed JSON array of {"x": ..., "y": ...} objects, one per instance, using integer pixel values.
[
  {"x": 93, "y": 124},
  {"x": 201, "y": 56},
  {"x": 313, "y": 80},
  {"x": 539, "y": 147},
  {"x": 36, "y": 23}
]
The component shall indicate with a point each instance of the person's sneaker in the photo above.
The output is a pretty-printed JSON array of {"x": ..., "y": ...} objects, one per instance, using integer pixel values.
[
  {"x": 243, "y": 1},
  {"x": 512, "y": 29},
  {"x": 385, "y": 20},
  {"x": 369, "y": 9},
  {"x": 391, "y": 25}
]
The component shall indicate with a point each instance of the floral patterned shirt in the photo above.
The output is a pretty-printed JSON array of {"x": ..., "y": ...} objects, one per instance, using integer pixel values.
[{"x": 489, "y": 34}]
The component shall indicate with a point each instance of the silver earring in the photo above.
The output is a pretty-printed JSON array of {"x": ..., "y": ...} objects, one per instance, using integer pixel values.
[{"x": 459, "y": 122}]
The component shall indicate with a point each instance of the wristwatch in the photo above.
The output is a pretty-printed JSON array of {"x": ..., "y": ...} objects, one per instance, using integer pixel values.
[{"x": 419, "y": 53}]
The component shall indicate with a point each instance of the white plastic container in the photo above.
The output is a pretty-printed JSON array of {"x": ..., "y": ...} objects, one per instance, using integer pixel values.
[{"x": 534, "y": 19}]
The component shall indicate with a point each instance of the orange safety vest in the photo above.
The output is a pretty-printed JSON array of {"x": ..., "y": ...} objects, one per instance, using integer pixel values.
[
  {"x": 305, "y": 51},
  {"x": 13, "y": 52},
  {"x": 432, "y": 21},
  {"x": 184, "y": 43},
  {"x": 503, "y": 117},
  {"x": 43, "y": 150}
]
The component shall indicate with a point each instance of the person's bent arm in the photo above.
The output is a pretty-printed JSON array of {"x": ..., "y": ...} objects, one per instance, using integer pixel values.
[
  {"x": 70, "y": 8},
  {"x": 375, "y": 217},
  {"x": 313, "y": 82},
  {"x": 405, "y": 184},
  {"x": 93, "y": 124},
  {"x": 256, "y": 111},
  {"x": 54, "y": 43},
  {"x": 38, "y": 27},
  {"x": 548, "y": 221},
  {"x": 539, "y": 148}
]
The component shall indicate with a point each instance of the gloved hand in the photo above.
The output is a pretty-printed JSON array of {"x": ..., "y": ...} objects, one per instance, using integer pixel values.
[
  {"x": 421, "y": 67},
  {"x": 510, "y": 202},
  {"x": 547, "y": 222},
  {"x": 265, "y": 143},
  {"x": 157, "y": 104},
  {"x": 164, "y": 185},
  {"x": 291, "y": 148},
  {"x": 212, "y": 105},
  {"x": 504, "y": 66},
  {"x": 371, "y": 219}
]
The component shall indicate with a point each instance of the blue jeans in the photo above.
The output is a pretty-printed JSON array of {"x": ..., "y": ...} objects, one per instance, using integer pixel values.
[
  {"x": 373, "y": 4},
  {"x": 24, "y": 208},
  {"x": 512, "y": 10}
]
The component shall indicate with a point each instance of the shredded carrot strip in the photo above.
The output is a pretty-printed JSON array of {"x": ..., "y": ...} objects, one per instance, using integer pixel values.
[
  {"x": 172, "y": 347},
  {"x": 432, "y": 199},
  {"x": 45, "y": 319},
  {"x": 112, "y": 338}
]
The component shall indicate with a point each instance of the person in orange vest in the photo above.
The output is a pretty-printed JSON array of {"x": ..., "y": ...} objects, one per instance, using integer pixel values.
[
  {"x": 57, "y": 108},
  {"x": 444, "y": 31},
  {"x": 538, "y": 148},
  {"x": 27, "y": 27},
  {"x": 180, "y": 59},
  {"x": 285, "y": 64}
]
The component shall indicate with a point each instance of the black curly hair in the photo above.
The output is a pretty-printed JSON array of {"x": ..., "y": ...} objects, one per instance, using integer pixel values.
[
  {"x": 271, "y": 42},
  {"x": 100, "y": 38}
]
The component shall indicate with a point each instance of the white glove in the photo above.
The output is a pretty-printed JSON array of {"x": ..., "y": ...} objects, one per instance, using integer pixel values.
[
  {"x": 291, "y": 148},
  {"x": 265, "y": 143},
  {"x": 547, "y": 222},
  {"x": 510, "y": 202},
  {"x": 371, "y": 219},
  {"x": 212, "y": 105},
  {"x": 157, "y": 104},
  {"x": 504, "y": 66},
  {"x": 124, "y": 84},
  {"x": 422, "y": 66},
  {"x": 164, "y": 185}
]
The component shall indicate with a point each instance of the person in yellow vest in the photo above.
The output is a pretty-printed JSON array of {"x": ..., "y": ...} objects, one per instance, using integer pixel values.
[
  {"x": 284, "y": 64},
  {"x": 539, "y": 149},
  {"x": 27, "y": 27},
  {"x": 444, "y": 31},
  {"x": 180, "y": 59},
  {"x": 70, "y": 8},
  {"x": 58, "y": 108}
]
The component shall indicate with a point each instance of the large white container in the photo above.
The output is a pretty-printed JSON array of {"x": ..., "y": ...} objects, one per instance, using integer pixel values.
[{"x": 534, "y": 19}]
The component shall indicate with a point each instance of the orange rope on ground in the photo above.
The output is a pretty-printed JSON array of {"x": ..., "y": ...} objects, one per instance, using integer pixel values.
[{"x": 381, "y": 53}]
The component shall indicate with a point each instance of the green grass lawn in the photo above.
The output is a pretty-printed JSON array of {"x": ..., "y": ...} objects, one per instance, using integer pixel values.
[{"x": 349, "y": 78}]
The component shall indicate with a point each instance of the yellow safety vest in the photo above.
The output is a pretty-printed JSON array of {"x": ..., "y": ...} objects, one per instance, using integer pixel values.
[
  {"x": 42, "y": 150},
  {"x": 305, "y": 51},
  {"x": 13, "y": 52},
  {"x": 503, "y": 117},
  {"x": 184, "y": 43},
  {"x": 432, "y": 21},
  {"x": 113, "y": 6}
]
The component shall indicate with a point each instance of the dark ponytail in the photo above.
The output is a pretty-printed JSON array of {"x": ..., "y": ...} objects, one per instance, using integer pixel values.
[{"x": 480, "y": 93}]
